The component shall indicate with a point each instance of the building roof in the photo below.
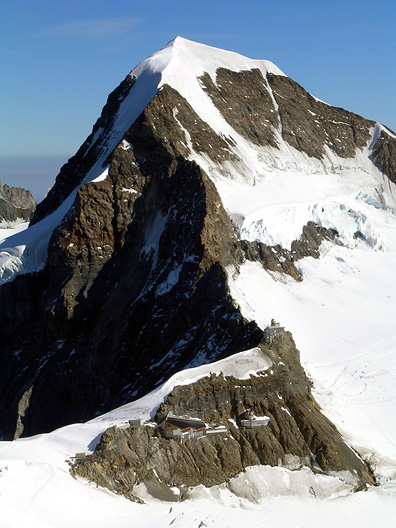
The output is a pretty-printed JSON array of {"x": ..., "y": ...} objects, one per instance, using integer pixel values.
[{"x": 185, "y": 423}]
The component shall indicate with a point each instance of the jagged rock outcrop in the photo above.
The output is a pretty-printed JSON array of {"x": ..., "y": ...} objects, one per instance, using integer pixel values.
[
  {"x": 15, "y": 203},
  {"x": 283, "y": 392},
  {"x": 297, "y": 433},
  {"x": 384, "y": 155},
  {"x": 276, "y": 258}
]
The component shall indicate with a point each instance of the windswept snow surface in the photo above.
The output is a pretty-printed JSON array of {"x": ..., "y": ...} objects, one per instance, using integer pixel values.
[
  {"x": 272, "y": 194},
  {"x": 342, "y": 316}
]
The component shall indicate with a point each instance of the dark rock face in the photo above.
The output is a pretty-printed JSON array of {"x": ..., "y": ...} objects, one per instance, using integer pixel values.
[
  {"x": 296, "y": 430},
  {"x": 272, "y": 258},
  {"x": 157, "y": 136},
  {"x": 134, "y": 290},
  {"x": 308, "y": 124},
  {"x": 245, "y": 103},
  {"x": 15, "y": 203},
  {"x": 309, "y": 243},
  {"x": 384, "y": 155}
]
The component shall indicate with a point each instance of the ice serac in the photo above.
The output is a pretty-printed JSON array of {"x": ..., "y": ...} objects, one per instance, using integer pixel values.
[{"x": 185, "y": 175}]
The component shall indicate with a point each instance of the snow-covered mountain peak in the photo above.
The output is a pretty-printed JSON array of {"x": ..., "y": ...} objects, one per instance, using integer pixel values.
[
  {"x": 200, "y": 58},
  {"x": 213, "y": 195},
  {"x": 182, "y": 58},
  {"x": 157, "y": 62},
  {"x": 261, "y": 138}
]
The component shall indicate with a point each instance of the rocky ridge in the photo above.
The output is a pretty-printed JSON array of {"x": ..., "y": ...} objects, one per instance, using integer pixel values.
[{"x": 298, "y": 434}]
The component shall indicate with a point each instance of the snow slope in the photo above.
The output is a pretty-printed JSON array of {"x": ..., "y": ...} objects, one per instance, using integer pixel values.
[
  {"x": 342, "y": 316},
  {"x": 347, "y": 345}
]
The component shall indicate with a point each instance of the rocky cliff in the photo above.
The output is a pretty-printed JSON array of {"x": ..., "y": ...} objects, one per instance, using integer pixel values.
[
  {"x": 134, "y": 290},
  {"x": 298, "y": 434},
  {"x": 15, "y": 203}
]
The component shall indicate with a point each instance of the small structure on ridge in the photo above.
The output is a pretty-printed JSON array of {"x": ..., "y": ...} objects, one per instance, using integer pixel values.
[
  {"x": 271, "y": 331},
  {"x": 249, "y": 420},
  {"x": 180, "y": 428}
]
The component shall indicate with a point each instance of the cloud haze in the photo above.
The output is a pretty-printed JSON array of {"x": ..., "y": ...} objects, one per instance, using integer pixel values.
[{"x": 95, "y": 29}]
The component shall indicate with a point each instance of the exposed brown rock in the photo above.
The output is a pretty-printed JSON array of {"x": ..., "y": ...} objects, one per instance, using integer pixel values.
[
  {"x": 15, "y": 203},
  {"x": 22, "y": 407},
  {"x": 384, "y": 155},
  {"x": 308, "y": 244},
  {"x": 10, "y": 213},
  {"x": 244, "y": 101},
  {"x": 272, "y": 258},
  {"x": 276, "y": 258},
  {"x": 308, "y": 124},
  {"x": 296, "y": 430},
  {"x": 157, "y": 136},
  {"x": 20, "y": 198}
]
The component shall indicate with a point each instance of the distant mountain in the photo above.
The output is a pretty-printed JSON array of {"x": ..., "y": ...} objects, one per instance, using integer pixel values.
[
  {"x": 15, "y": 203},
  {"x": 200, "y": 161}
]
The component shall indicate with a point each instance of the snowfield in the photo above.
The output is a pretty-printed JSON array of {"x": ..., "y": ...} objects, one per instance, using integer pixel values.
[{"x": 342, "y": 317}]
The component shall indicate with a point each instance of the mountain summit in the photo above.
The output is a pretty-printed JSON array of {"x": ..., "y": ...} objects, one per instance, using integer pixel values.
[
  {"x": 201, "y": 161},
  {"x": 241, "y": 120}
]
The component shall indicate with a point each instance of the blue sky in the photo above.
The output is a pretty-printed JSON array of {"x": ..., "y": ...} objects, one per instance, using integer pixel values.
[{"x": 61, "y": 58}]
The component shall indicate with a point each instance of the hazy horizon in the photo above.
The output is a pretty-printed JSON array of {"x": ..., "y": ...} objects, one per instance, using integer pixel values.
[{"x": 35, "y": 173}]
